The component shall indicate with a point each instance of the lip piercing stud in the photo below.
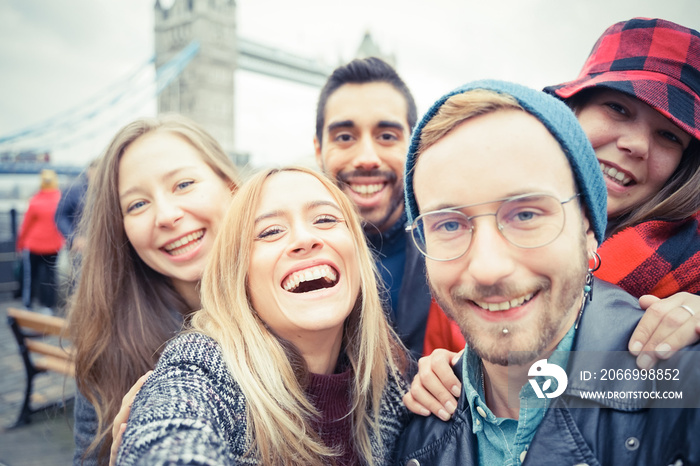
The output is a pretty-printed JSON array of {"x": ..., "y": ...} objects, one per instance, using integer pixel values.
[{"x": 505, "y": 331}]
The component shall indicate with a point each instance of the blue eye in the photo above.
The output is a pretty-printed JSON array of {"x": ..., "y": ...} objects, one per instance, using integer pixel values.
[
  {"x": 524, "y": 216},
  {"x": 449, "y": 226},
  {"x": 184, "y": 184},
  {"x": 135, "y": 205}
]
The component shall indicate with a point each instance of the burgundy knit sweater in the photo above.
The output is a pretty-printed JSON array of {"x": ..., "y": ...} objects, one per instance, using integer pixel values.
[{"x": 330, "y": 394}]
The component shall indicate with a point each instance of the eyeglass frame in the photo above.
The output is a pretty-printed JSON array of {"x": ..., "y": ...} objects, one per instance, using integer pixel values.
[{"x": 413, "y": 227}]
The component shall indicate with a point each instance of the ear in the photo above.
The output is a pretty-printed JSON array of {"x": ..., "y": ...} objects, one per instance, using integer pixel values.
[
  {"x": 319, "y": 155},
  {"x": 591, "y": 242}
]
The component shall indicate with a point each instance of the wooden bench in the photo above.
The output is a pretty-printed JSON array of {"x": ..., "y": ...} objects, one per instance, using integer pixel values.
[{"x": 39, "y": 355}]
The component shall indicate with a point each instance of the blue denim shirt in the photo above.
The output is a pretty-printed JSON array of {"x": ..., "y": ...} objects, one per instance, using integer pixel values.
[{"x": 502, "y": 440}]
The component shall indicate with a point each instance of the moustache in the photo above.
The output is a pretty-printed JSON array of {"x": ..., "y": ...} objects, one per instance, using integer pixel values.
[
  {"x": 501, "y": 290},
  {"x": 347, "y": 177}
]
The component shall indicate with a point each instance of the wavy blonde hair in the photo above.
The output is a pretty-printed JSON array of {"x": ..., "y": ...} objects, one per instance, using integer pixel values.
[
  {"x": 122, "y": 311},
  {"x": 270, "y": 371}
]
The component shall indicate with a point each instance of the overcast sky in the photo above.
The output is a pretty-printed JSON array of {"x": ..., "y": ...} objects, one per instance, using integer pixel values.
[{"x": 56, "y": 55}]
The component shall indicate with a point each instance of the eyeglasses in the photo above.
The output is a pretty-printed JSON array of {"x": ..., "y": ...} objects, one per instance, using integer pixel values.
[{"x": 526, "y": 221}]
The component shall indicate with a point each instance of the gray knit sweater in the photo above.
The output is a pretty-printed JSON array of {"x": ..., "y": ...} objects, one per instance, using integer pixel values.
[{"x": 191, "y": 411}]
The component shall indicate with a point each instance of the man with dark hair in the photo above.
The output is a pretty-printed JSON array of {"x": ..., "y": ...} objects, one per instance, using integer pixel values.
[
  {"x": 364, "y": 119},
  {"x": 507, "y": 202},
  {"x": 363, "y": 71}
]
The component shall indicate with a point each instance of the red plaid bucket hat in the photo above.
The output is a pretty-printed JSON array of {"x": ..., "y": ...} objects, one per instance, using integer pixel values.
[{"x": 654, "y": 60}]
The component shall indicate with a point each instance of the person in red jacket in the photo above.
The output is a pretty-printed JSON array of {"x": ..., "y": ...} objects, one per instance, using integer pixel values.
[{"x": 39, "y": 242}]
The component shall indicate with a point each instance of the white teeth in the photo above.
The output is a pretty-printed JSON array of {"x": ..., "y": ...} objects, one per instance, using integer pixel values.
[
  {"x": 615, "y": 174},
  {"x": 505, "y": 305},
  {"x": 367, "y": 189},
  {"x": 184, "y": 241},
  {"x": 313, "y": 273}
]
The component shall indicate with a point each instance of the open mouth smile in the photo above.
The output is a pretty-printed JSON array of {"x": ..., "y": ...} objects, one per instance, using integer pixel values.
[
  {"x": 311, "y": 279},
  {"x": 184, "y": 244},
  {"x": 506, "y": 305},
  {"x": 367, "y": 190},
  {"x": 616, "y": 175}
]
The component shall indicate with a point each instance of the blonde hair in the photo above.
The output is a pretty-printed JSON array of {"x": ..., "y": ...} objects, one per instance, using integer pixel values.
[
  {"x": 49, "y": 179},
  {"x": 122, "y": 311},
  {"x": 269, "y": 370},
  {"x": 460, "y": 108}
]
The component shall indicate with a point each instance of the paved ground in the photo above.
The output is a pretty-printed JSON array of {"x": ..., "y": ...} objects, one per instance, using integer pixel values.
[{"x": 48, "y": 439}]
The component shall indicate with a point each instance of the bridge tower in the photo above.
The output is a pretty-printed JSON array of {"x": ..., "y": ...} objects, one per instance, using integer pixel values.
[{"x": 204, "y": 91}]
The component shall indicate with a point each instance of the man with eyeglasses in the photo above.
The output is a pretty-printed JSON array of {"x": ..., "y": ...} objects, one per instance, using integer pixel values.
[{"x": 507, "y": 203}]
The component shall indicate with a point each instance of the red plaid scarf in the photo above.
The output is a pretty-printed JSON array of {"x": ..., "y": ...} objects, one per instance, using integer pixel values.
[{"x": 654, "y": 257}]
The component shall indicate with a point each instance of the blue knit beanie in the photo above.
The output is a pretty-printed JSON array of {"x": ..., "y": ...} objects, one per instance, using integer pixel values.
[{"x": 561, "y": 123}]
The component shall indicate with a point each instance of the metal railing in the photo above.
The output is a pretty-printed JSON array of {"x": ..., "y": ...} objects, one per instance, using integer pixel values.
[{"x": 9, "y": 220}]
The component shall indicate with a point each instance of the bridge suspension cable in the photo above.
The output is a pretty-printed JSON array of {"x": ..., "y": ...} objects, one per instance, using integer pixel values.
[{"x": 105, "y": 111}]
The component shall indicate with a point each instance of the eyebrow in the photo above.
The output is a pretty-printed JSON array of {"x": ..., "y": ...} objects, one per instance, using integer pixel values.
[
  {"x": 351, "y": 124},
  {"x": 390, "y": 124},
  {"x": 341, "y": 124},
  {"x": 165, "y": 176},
  {"x": 308, "y": 206},
  {"x": 444, "y": 206}
]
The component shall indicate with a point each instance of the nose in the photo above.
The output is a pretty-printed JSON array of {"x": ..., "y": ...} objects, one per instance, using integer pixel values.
[
  {"x": 168, "y": 214},
  {"x": 635, "y": 141},
  {"x": 367, "y": 158},
  {"x": 489, "y": 257},
  {"x": 303, "y": 240}
]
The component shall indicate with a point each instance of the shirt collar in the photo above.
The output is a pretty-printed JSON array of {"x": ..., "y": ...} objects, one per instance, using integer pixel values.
[{"x": 472, "y": 381}]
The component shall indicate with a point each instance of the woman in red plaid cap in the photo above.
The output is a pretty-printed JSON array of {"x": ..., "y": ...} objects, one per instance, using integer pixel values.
[{"x": 638, "y": 99}]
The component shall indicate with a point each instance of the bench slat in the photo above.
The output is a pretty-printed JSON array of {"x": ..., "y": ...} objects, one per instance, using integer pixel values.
[
  {"x": 49, "y": 325},
  {"x": 47, "y": 349},
  {"x": 49, "y": 363},
  {"x": 39, "y": 355}
]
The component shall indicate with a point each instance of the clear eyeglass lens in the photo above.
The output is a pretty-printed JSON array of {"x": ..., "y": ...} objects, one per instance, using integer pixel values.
[{"x": 526, "y": 221}]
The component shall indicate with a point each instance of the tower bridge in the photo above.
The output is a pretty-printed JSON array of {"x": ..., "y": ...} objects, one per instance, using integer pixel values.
[{"x": 197, "y": 53}]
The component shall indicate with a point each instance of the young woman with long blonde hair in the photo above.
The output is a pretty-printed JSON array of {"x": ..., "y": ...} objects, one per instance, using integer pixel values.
[{"x": 291, "y": 360}]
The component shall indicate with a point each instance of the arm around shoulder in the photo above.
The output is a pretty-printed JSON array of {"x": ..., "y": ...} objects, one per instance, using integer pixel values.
[{"x": 188, "y": 411}]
